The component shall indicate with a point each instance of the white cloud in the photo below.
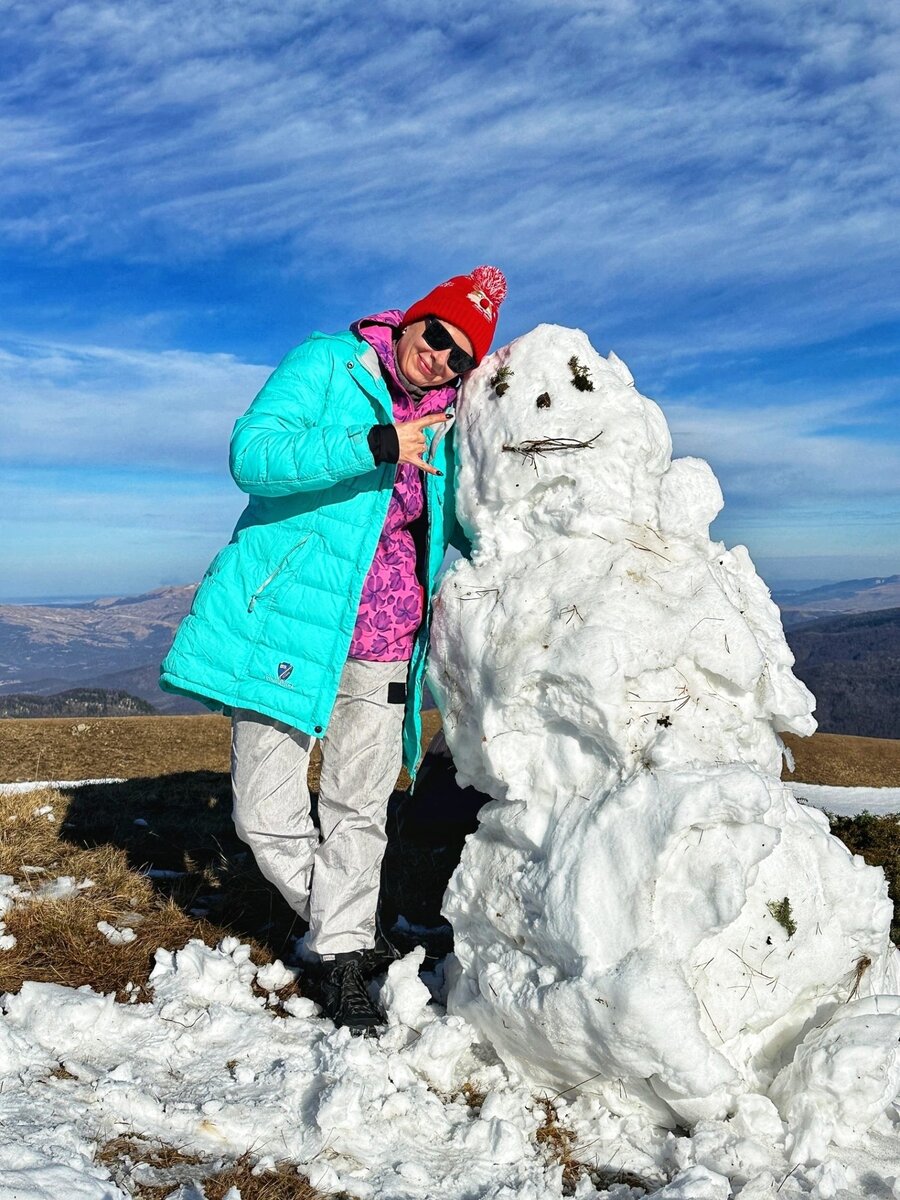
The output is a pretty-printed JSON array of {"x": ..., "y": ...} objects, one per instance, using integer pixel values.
[
  {"x": 630, "y": 150},
  {"x": 78, "y": 405},
  {"x": 816, "y": 455}
]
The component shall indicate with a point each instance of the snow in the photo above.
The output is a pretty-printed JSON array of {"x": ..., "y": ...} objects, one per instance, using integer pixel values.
[
  {"x": 209, "y": 1067},
  {"x": 625, "y": 956},
  {"x": 658, "y": 920},
  {"x": 849, "y": 801},
  {"x": 18, "y": 789},
  {"x": 116, "y": 936}
]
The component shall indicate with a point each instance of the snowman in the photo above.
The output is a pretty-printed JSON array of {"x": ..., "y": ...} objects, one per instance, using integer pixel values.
[{"x": 645, "y": 910}]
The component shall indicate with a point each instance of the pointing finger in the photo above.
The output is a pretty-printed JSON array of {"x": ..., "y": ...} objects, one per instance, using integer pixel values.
[{"x": 424, "y": 466}]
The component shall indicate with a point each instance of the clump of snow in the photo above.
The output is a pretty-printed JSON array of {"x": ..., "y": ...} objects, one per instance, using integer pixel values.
[
  {"x": 646, "y": 912},
  {"x": 842, "y": 1078},
  {"x": 64, "y": 887},
  {"x": 10, "y": 892},
  {"x": 207, "y": 976},
  {"x": 116, "y": 936},
  {"x": 18, "y": 789},
  {"x": 275, "y": 975},
  {"x": 404, "y": 996}
]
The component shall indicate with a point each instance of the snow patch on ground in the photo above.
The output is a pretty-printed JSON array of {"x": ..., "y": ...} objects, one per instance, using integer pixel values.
[
  {"x": 208, "y": 1067},
  {"x": 849, "y": 801},
  {"x": 19, "y": 789}
]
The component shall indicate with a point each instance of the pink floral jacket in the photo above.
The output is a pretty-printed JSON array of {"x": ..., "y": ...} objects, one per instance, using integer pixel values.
[{"x": 390, "y": 608}]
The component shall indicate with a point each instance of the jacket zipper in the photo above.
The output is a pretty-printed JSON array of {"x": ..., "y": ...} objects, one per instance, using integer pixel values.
[
  {"x": 265, "y": 583},
  {"x": 439, "y": 436}
]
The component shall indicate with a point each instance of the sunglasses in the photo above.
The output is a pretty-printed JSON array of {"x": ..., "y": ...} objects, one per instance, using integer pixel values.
[{"x": 437, "y": 337}]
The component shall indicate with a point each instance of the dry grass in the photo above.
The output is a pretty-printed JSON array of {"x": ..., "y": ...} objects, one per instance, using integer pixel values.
[
  {"x": 57, "y": 940},
  {"x": 839, "y": 760},
  {"x": 128, "y": 1160},
  {"x": 281, "y": 1184},
  {"x": 558, "y": 1143},
  {"x": 130, "y": 747},
  {"x": 179, "y": 823},
  {"x": 144, "y": 747},
  {"x": 111, "y": 747},
  {"x": 472, "y": 1095}
]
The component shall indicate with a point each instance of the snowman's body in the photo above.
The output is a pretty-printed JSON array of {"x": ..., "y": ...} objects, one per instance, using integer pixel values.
[{"x": 617, "y": 682}]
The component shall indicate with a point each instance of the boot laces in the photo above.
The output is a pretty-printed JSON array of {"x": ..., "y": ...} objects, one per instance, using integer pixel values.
[{"x": 354, "y": 997}]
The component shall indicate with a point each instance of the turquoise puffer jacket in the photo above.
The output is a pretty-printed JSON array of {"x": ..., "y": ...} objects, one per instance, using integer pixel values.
[{"x": 272, "y": 620}]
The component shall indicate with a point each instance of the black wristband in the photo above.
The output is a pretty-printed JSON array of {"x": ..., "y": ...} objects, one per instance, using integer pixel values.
[{"x": 384, "y": 443}]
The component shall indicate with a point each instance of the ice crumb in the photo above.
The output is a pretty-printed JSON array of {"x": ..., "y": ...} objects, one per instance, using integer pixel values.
[
  {"x": 116, "y": 937},
  {"x": 64, "y": 887},
  {"x": 404, "y": 997},
  {"x": 274, "y": 976}
]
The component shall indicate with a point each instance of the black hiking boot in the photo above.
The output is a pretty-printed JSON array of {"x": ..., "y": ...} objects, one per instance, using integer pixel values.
[
  {"x": 377, "y": 960},
  {"x": 344, "y": 996}
]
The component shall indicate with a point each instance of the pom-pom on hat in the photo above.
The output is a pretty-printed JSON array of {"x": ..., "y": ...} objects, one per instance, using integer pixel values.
[{"x": 470, "y": 302}]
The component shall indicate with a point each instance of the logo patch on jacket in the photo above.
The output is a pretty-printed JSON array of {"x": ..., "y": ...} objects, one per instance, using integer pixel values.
[{"x": 285, "y": 670}]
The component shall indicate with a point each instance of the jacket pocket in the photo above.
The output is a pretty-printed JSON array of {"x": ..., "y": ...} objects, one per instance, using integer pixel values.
[{"x": 290, "y": 560}]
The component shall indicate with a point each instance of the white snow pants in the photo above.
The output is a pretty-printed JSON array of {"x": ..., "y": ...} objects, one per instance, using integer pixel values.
[{"x": 332, "y": 879}]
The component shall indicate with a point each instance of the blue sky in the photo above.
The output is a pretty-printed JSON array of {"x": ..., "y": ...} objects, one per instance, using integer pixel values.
[{"x": 709, "y": 189}]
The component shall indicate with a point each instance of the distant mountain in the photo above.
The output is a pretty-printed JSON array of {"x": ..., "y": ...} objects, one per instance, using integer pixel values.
[
  {"x": 144, "y": 682},
  {"x": 851, "y": 662},
  {"x": 849, "y": 596},
  {"x": 852, "y": 665},
  {"x": 78, "y": 702},
  {"x": 114, "y": 644}
]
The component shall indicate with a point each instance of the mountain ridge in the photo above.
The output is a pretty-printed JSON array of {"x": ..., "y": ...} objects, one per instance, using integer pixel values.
[{"x": 849, "y": 660}]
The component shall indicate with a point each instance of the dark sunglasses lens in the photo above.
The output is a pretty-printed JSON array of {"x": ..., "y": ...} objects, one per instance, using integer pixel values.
[
  {"x": 459, "y": 362},
  {"x": 437, "y": 336},
  {"x": 439, "y": 339}
]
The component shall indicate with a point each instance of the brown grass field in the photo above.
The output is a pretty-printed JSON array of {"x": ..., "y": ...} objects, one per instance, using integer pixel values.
[
  {"x": 126, "y": 747},
  {"x": 140, "y": 747},
  {"x": 172, "y": 814}
]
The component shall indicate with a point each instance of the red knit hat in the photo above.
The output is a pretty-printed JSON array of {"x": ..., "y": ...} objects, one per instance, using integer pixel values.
[{"x": 470, "y": 302}]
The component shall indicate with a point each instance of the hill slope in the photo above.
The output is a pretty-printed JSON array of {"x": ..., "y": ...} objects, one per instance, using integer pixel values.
[
  {"x": 848, "y": 596},
  {"x": 852, "y": 665},
  {"x": 78, "y": 702},
  {"x": 45, "y": 649}
]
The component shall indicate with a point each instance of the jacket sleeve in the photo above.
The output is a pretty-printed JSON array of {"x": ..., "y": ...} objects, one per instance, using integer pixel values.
[{"x": 282, "y": 444}]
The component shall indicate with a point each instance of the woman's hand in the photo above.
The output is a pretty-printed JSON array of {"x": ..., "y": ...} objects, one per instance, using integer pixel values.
[{"x": 411, "y": 436}]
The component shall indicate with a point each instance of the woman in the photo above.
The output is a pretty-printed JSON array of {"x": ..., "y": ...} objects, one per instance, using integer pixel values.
[{"x": 313, "y": 621}]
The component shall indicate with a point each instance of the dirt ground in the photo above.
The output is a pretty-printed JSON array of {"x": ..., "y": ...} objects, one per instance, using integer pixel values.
[{"x": 142, "y": 747}]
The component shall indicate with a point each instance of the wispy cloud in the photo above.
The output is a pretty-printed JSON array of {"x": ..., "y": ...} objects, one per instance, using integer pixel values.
[
  {"x": 66, "y": 405},
  {"x": 770, "y": 454},
  {"x": 654, "y": 150},
  {"x": 708, "y": 188}
]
